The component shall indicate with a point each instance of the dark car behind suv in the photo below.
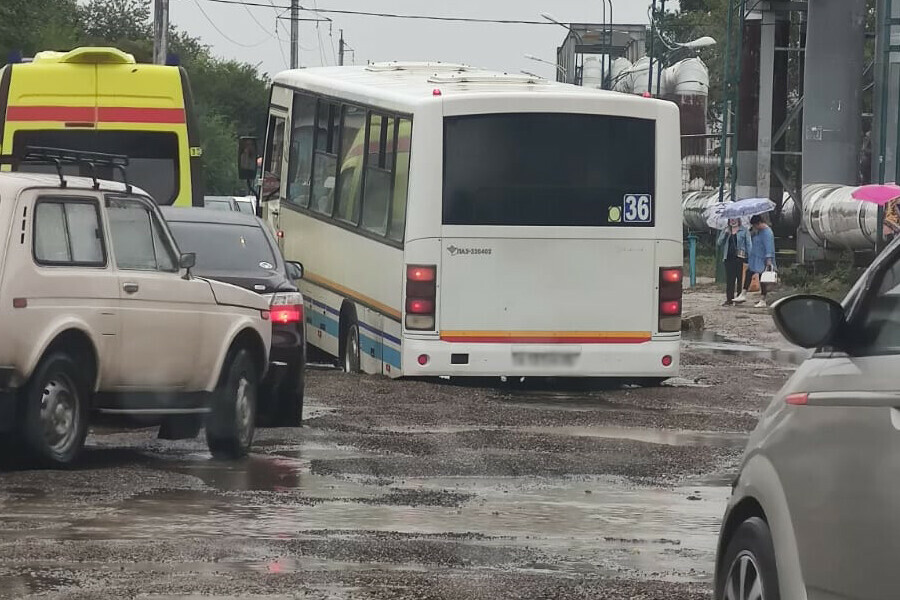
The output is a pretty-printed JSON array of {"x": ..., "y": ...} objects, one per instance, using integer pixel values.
[{"x": 239, "y": 249}]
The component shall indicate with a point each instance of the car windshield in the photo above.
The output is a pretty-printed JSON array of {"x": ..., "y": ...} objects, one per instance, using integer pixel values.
[{"x": 224, "y": 248}]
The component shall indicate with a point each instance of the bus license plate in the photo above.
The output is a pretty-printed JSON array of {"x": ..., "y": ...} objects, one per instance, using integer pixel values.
[{"x": 544, "y": 359}]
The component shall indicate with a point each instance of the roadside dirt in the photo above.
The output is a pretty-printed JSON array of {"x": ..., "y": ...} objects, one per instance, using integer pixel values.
[{"x": 412, "y": 490}]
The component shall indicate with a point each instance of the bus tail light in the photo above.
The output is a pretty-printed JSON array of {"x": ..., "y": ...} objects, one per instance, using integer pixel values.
[
  {"x": 421, "y": 294},
  {"x": 670, "y": 291}
]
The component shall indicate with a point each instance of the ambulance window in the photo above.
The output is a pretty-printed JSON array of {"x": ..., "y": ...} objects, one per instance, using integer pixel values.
[{"x": 153, "y": 156}]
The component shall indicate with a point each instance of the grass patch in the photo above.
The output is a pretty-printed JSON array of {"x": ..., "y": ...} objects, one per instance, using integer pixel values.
[{"x": 832, "y": 280}]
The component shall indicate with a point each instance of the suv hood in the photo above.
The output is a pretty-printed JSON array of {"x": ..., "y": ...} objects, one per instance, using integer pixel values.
[{"x": 232, "y": 295}]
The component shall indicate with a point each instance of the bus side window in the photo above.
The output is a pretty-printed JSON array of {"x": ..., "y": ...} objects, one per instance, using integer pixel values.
[
  {"x": 353, "y": 134},
  {"x": 325, "y": 159},
  {"x": 379, "y": 172},
  {"x": 401, "y": 181},
  {"x": 300, "y": 157}
]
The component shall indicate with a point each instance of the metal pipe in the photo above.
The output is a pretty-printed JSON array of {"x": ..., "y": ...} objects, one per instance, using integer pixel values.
[
  {"x": 692, "y": 259},
  {"x": 833, "y": 218}
]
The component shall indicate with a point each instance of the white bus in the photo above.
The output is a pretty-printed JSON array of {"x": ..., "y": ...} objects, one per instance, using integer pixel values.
[{"x": 459, "y": 222}]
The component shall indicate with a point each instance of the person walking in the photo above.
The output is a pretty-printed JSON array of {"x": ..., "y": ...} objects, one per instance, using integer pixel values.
[
  {"x": 735, "y": 246},
  {"x": 762, "y": 258}
]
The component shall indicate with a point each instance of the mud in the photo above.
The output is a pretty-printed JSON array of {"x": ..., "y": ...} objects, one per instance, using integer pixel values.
[{"x": 412, "y": 489}]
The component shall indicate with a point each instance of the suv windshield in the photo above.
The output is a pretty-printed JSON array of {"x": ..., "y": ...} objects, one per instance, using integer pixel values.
[
  {"x": 224, "y": 247},
  {"x": 153, "y": 156}
]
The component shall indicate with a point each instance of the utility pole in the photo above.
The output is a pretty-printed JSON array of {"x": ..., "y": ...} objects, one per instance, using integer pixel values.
[
  {"x": 295, "y": 33},
  {"x": 341, "y": 50},
  {"x": 652, "y": 41},
  {"x": 160, "y": 31}
]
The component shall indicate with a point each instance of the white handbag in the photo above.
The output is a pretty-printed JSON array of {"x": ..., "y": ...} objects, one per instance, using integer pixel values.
[{"x": 770, "y": 277}]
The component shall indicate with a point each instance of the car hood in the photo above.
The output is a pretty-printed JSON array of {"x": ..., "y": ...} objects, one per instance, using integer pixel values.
[
  {"x": 261, "y": 282},
  {"x": 232, "y": 295}
]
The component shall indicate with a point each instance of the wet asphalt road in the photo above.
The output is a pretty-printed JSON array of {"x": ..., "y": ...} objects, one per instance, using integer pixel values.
[{"x": 413, "y": 489}]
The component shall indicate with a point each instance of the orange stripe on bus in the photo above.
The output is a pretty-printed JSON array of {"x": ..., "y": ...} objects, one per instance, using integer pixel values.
[
  {"x": 547, "y": 337},
  {"x": 352, "y": 294}
]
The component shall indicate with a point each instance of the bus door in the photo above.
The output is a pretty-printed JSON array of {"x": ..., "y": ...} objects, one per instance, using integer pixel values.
[{"x": 272, "y": 186}]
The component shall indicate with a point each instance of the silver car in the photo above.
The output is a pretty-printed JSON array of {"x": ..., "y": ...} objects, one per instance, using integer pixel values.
[{"x": 815, "y": 511}]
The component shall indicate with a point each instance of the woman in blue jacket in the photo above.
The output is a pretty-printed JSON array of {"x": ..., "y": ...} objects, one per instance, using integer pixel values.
[
  {"x": 762, "y": 258},
  {"x": 734, "y": 247}
]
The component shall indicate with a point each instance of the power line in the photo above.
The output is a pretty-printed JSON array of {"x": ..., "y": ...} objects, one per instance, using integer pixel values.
[
  {"x": 222, "y": 33},
  {"x": 396, "y": 15},
  {"x": 255, "y": 20}
]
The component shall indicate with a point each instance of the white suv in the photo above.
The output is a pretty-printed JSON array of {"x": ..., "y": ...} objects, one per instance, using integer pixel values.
[{"x": 99, "y": 314}]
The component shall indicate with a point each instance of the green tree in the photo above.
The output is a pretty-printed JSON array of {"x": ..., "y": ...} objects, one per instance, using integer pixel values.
[
  {"x": 29, "y": 26},
  {"x": 230, "y": 97}
]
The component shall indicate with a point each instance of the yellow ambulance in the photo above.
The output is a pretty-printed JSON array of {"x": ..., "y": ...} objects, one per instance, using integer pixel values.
[{"x": 102, "y": 100}]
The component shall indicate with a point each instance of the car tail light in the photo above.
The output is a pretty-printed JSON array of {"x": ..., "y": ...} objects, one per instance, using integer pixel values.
[
  {"x": 286, "y": 307},
  {"x": 670, "y": 290},
  {"x": 421, "y": 294},
  {"x": 667, "y": 360},
  {"x": 797, "y": 399},
  {"x": 264, "y": 315}
]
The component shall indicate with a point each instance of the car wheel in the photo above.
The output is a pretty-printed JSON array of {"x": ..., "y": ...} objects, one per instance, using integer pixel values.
[
  {"x": 351, "y": 349},
  {"x": 55, "y": 414},
  {"x": 232, "y": 421},
  {"x": 749, "y": 569}
]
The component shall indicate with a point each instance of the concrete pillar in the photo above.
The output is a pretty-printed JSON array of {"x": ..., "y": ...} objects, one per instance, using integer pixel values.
[
  {"x": 748, "y": 108},
  {"x": 832, "y": 92}
]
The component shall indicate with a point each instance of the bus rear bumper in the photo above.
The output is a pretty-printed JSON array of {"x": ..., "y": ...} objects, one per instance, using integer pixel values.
[{"x": 532, "y": 360}]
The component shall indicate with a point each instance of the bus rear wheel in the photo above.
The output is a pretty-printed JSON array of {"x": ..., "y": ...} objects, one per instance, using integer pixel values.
[{"x": 350, "y": 360}]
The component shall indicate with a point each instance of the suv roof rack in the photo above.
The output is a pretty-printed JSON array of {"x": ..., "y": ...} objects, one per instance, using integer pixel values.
[{"x": 40, "y": 155}]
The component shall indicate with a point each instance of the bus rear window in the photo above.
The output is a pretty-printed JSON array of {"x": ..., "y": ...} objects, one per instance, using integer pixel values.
[
  {"x": 153, "y": 156},
  {"x": 548, "y": 169}
]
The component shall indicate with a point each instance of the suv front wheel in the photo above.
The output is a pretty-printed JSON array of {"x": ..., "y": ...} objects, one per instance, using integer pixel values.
[
  {"x": 230, "y": 425},
  {"x": 55, "y": 411}
]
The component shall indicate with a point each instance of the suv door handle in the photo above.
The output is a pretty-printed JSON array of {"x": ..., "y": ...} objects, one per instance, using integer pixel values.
[{"x": 130, "y": 288}]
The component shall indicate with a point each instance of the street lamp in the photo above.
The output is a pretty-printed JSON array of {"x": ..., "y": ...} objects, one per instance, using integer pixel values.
[
  {"x": 559, "y": 68},
  {"x": 578, "y": 39}
]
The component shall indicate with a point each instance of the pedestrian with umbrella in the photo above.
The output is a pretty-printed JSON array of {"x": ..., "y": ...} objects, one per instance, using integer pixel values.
[
  {"x": 734, "y": 241},
  {"x": 887, "y": 196},
  {"x": 734, "y": 246},
  {"x": 762, "y": 259}
]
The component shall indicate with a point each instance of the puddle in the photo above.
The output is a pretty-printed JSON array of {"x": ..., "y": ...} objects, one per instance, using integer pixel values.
[
  {"x": 26, "y": 581},
  {"x": 712, "y": 439},
  {"x": 708, "y": 342},
  {"x": 571, "y": 401},
  {"x": 592, "y": 524}
]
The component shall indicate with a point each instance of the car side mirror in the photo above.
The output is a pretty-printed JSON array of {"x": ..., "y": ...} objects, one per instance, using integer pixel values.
[
  {"x": 808, "y": 321},
  {"x": 187, "y": 261},
  {"x": 294, "y": 269}
]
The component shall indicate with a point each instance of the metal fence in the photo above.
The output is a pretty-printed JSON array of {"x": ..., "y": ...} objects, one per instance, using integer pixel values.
[{"x": 700, "y": 162}]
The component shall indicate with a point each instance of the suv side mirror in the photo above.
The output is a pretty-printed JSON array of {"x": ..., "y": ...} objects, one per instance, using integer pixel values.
[
  {"x": 808, "y": 321},
  {"x": 248, "y": 152},
  {"x": 294, "y": 269},
  {"x": 187, "y": 260}
]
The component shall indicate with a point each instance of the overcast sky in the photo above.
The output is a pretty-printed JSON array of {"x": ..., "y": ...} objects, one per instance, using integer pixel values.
[{"x": 254, "y": 37}]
